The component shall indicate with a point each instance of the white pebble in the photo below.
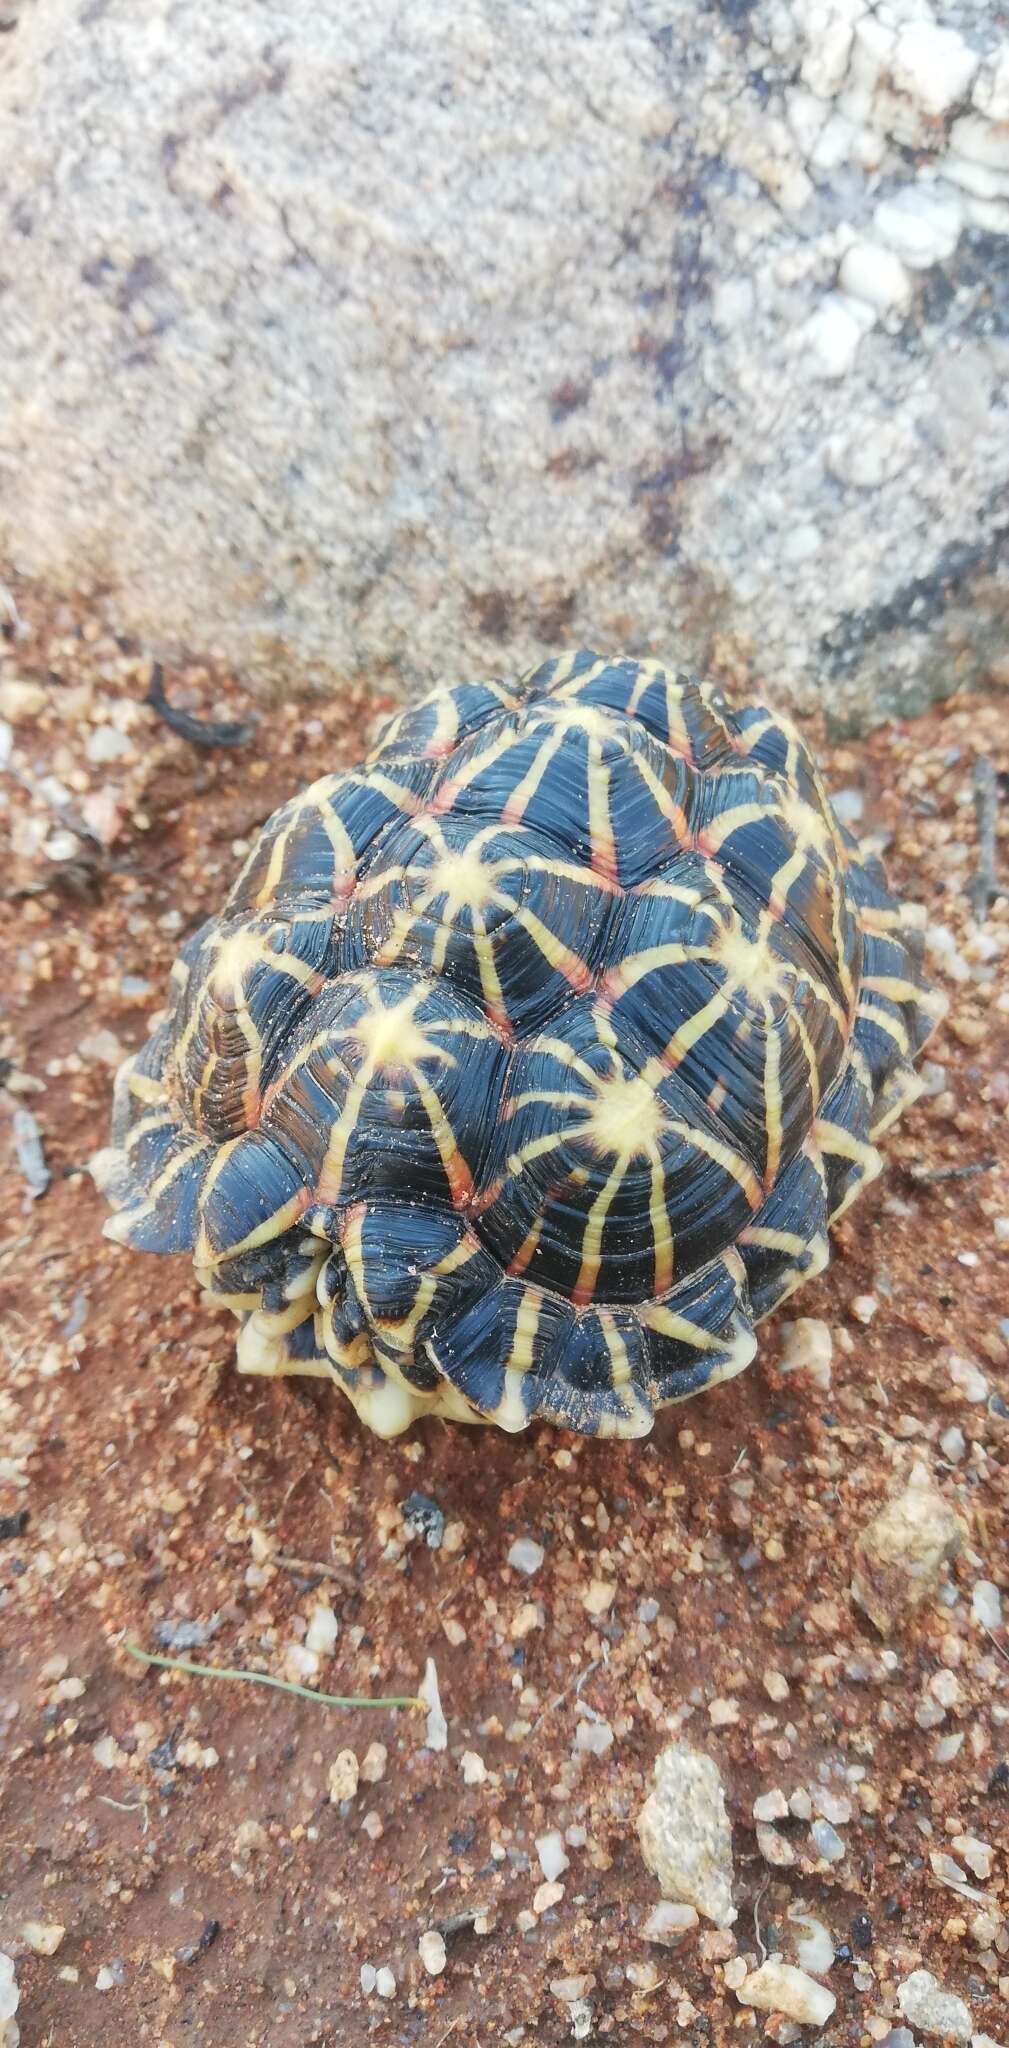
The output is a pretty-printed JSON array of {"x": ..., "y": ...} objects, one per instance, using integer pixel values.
[
  {"x": 369, "y": 1976},
  {"x": 771, "y": 1805},
  {"x": 921, "y": 222},
  {"x": 779, "y": 1987},
  {"x": 815, "y": 1948},
  {"x": 552, "y": 1857},
  {"x": 953, "y": 1444},
  {"x": 876, "y": 275},
  {"x": 385, "y": 1983},
  {"x": 373, "y": 1762},
  {"x": 9, "y": 1993},
  {"x": 864, "y": 1307},
  {"x": 474, "y": 1770},
  {"x": 968, "y": 1377},
  {"x": 668, "y": 1922},
  {"x": 933, "y": 65},
  {"x": 43, "y": 1936},
  {"x": 431, "y": 1950},
  {"x": 594, "y": 1737},
  {"x": 323, "y": 1629},
  {"x": 827, "y": 1842},
  {"x": 931, "y": 2009},
  {"x": 526, "y": 1555},
  {"x": 105, "y": 743},
  {"x": 809, "y": 1347},
  {"x": 986, "y": 1604}
]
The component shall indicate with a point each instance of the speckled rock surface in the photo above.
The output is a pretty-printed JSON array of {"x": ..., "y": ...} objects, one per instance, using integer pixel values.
[
  {"x": 351, "y": 346},
  {"x": 684, "y": 1833}
]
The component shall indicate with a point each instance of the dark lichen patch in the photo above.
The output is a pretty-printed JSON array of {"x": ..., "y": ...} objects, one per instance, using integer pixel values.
[
  {"x": 916, "y": 605},
  {"x": 569, "y": 397},
  {"x": 494, "y": 611}
]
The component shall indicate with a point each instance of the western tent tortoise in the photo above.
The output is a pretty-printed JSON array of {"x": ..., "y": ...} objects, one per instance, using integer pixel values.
[{"x": 526, "y": 1066}]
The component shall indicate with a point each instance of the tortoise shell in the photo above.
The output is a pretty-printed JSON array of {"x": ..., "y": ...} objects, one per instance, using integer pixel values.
[{"x": 526, "y": 1066}]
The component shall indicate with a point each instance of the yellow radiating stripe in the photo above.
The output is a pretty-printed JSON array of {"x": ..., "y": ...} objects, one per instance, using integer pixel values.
[
  {"x": 549, "y": 1141},
  {"x": 656, "y": 1316},
  {"x": 568, "y": 1058},
  {"x": 772, "y": 1098},
  {"x": 526, "y": 789},
  {"x": 526, "y": 1250},
  {"x": 797, "y": 1021},
  {"x": 671, "y": 810},
  {"x": 163, "y": 1119},
  {"x": 553, "y": 1098},
  {"x": 449, "y": 790},
  {"x": 694, "y": 1027},
  {"x": 592, "y": 1233},
  {"x": 372, "y": 885},
  {"x": 723, "y": 1155},
  {"x": 784, "y": 879},
  {"x": 490, "y": 984},
  {"x": 620, "y": 1364},
  {"x": 521, "y": 1356},
  {"x": 712, "y": 837},
  {"x": 563, "y": 871},
  {"x": 556, "y": 954},
  {"x": 637, "y": 965},
  {"x": 143, "y": 1086},
  {"x": 457, "y": 1173},
  {"x": 894, "y": 986},
  {"x": 766, "y": 1239},
  {"x": 662, "y": 1237},
  {"x": 389, "y": 951},
  {"x": 604, "y": 852},
  {"x": 893, "y": 1026}
]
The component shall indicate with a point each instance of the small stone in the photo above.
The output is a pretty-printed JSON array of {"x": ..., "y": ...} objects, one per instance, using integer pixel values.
[
  {"x": 425, "y": 1518},
  {"x": 385, "y": 1983},
  {"x": 814, "y": 1950},
  {"x": 373, "y": 1763},
  {"x": 899, "y": 1557},
  {"x": 800, "y": 1805},
  {"x": 43, "y": 1936},
  {"x": 323, "y": 1629},
  {"x": 474, "y": 1770},
  {"x": 598, "y": 1597},
  {"x": 771, "y": 1805},
  {"x": 931, "y": 2009},
  {"x": 20, "y": 700},
  {"x": 953, "y": 1444},
  {"x": 723, "y": 1713},
  {"x": 107, "y": 1753},
  {"x": 251, "y": 1838},
  {"x": 809, "y": 1347},
  {"x": 775, "y": 1685},
  {"x": 571, "y": 1990},
  {"x": 431, "y": 1950},
  {"x": 685, "y": 1836},
  {"x": 643, "y": 1976},
  {"x": 968, "y": 1377},
  {"x": 827, "y": 1842},
  {"x": 106, "y": 744},
  {"x": 526, "y": 1556},
  {"x": 553, "y": 1858},
  {"x": 594, "y": 1737},
  {"x": 436, "y": 1731},
  {"x": 547, "y": 1895},
  {"x": 344, "y": 1776},
  {"x": 774, "y": 1848},
  {"x": 864, "y": 1307},
  {"x": 978, "y": 1855},
  {"x": 668, "y": 1922},
  {"x": 780, "y": 1987},
  {"x": 368, "y": 1978},
  {"x": 870, "y": 272}
]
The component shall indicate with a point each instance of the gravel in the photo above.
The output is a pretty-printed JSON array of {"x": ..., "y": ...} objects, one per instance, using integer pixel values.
[
  {"x": 685, "y": 1836},
  {"x": 780, "y": 1987},
  {"x": 900, "y": 1556},
  {"x": 931, "y": 2008}
]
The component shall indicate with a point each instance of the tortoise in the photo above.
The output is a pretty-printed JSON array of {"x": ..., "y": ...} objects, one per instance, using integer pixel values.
[{"x": 526, "y": 1065}]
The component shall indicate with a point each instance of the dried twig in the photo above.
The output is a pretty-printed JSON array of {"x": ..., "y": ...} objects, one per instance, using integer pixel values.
[
  {"x": 937, "y": 1173},
  {"x": 301, "y": 1692},
  {"x": 201, "y": 732},
  {"x": 313, "y": 1567},
  {"x": 983, "y": 885}
]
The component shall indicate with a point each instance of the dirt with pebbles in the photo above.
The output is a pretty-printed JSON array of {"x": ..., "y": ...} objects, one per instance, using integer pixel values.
[{"x": 231, "y": 1865}]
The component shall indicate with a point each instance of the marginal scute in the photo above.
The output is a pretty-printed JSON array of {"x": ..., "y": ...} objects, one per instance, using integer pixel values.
[{"x": 526, "y": 1066}]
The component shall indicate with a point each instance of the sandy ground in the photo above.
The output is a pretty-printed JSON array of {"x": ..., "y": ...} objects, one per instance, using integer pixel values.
[{"x": 216, "y": 1879}]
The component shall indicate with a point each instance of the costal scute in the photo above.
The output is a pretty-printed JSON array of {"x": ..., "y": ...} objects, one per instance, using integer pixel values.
[{"x": 526, "y": 1066}]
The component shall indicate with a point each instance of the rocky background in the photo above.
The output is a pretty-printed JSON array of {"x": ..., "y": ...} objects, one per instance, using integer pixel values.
[{"x": 363, "y": 345}]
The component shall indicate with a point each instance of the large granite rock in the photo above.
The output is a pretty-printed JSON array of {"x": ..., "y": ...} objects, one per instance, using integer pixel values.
[{"x": 419, "y": 337}]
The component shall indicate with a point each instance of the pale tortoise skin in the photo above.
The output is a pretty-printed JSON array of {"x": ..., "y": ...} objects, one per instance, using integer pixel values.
[{"x": 526, "y": 1066}]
